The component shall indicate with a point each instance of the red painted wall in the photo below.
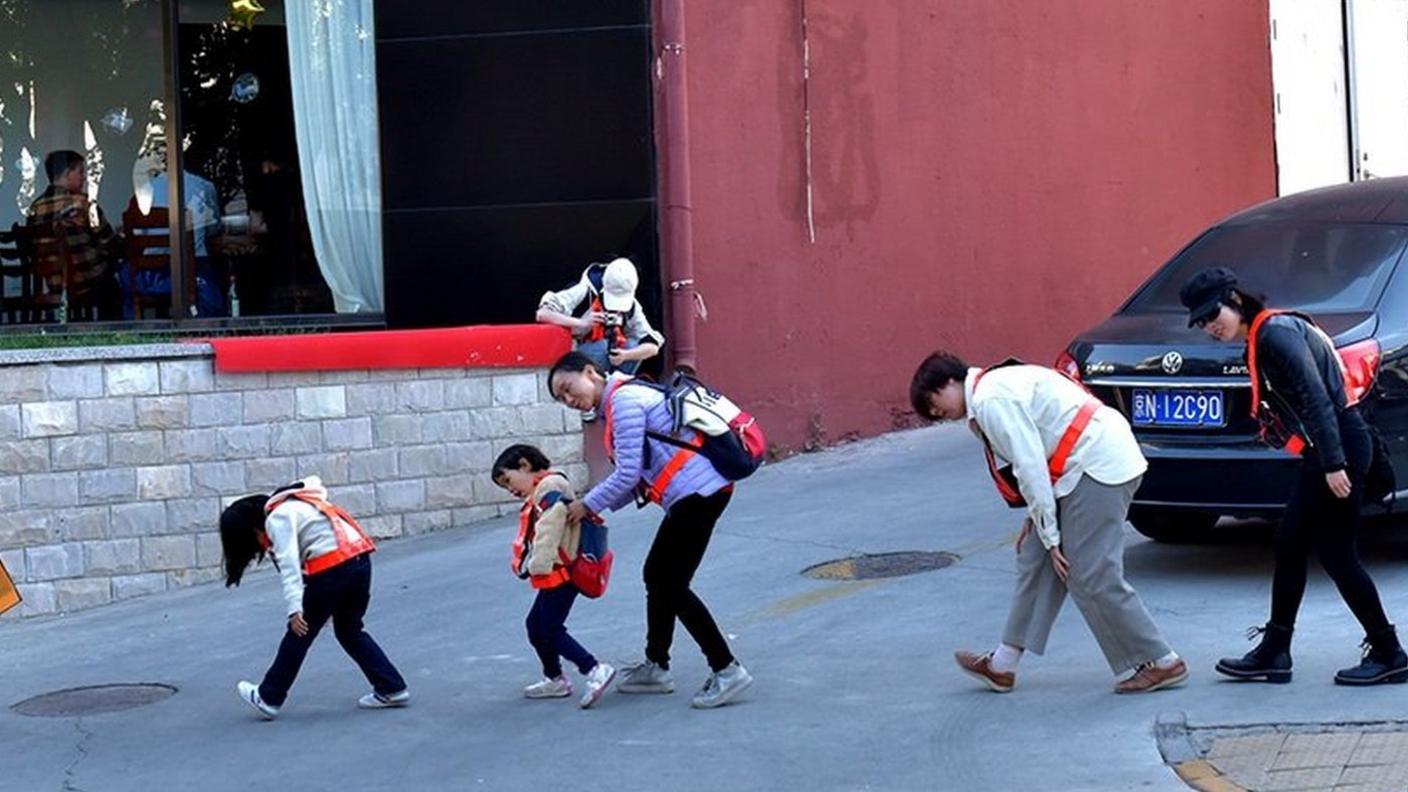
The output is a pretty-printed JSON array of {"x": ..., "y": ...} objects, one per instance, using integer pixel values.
[{"x": 989, "y": 176}]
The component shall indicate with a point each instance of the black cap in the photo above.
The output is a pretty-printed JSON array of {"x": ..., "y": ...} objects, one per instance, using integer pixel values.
[{"x": 1205, "y": 293}]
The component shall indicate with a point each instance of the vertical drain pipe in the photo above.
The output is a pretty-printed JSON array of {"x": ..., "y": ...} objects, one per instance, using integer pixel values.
[{"x": 677, "y": 221}]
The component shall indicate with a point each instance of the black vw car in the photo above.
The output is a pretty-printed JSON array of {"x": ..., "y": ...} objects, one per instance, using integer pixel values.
[{"x": 1333, "y": 253}]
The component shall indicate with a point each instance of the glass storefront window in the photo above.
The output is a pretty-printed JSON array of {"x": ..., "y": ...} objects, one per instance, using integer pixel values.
[
  {"x": 79, "y": 82},
  {"x": 276, "y": 124}
]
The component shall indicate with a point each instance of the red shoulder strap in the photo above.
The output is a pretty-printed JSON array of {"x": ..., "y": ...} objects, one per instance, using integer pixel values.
[
  {"x": 608, "y": 409},
  {"x": 1257, "y": 322}
]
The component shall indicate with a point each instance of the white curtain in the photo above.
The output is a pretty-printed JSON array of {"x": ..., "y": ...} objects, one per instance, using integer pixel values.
[{"x": 332, "y": 57}]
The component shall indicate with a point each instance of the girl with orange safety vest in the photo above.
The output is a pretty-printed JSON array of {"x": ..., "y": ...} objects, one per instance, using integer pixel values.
[
  {"x": 1074, "y": 466},
  {"x": 542, "y": 553},
  {"x": 1300, "y": 397},
  {"x": 324, "y": 561}
]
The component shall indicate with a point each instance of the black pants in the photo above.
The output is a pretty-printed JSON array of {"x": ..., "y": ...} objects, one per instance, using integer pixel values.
[
  {"x": 547, "y": 631},
  {"x": 342, "y": 594},
  {"x": 1316, "y": 518},
  {"x": 674, "y": 557}
]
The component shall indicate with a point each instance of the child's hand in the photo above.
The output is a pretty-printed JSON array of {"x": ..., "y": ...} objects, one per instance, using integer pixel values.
[
  {"x": 591, "y": 318},
  {"x": 619, "y": 356},
  {"x": 297, "y": 625}
]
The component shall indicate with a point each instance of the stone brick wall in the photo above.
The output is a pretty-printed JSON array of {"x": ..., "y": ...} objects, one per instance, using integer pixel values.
[{"x": 115, "y": 462}]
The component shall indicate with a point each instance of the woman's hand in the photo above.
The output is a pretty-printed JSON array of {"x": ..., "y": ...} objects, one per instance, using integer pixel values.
[
  {"x": 576, "y": 510},
  {"x": 1023, "y": 534},
  {"x": 1338, "y": 482},
  {"x": 297, "y": 625},
  {"x": 1059, "y": 563}
]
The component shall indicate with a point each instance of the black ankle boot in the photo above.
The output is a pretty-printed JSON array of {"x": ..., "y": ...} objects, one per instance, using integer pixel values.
[
  {"x": 1270, "y": 661},
  {"x": 1384, "y": 662}
]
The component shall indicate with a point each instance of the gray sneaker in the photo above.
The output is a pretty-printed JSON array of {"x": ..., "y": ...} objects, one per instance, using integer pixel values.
[
  {"x": 722, "y": 687},
  {"x": 647, "y": 677}
]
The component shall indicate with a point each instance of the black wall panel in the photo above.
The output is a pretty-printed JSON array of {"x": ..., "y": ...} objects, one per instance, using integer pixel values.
[
  {"x": 396, "y": 19},
  {"x": 516, "y": 148}
]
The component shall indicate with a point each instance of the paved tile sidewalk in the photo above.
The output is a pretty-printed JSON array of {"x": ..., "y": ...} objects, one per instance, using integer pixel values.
[{"x": 1356, "y": 758}]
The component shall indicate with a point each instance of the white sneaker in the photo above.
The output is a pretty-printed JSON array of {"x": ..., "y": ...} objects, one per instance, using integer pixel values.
[
  {"x": 375, "y": 700},
  {"x": 722, "y": 687},
  {"x": 647, "y": 677},
  {"x": 557, "y": 687},
  {"x": 250, "y": 693},
  {"x": 598, "y": 680}
]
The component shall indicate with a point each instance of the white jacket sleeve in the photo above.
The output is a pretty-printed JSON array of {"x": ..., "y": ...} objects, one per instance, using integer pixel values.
[
  {"x": 565, "y": 302},
  {"x": 282, "y": 527},
  {"x": 638, "y": 328},
  {"x": 1015, "y": 437}
]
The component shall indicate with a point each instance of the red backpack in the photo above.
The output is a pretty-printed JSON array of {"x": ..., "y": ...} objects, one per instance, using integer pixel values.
[{"x": 591, "y": 570}]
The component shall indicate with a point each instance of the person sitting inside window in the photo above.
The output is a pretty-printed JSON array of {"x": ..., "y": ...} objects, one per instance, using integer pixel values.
[{"x": 92, "y": 242}]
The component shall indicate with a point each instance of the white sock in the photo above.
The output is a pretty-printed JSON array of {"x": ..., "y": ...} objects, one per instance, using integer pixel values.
[{"x": 1005, "y": 658}]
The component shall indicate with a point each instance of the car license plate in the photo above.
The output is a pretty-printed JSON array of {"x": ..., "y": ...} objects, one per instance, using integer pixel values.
[{"x": 1186, "y": 407}]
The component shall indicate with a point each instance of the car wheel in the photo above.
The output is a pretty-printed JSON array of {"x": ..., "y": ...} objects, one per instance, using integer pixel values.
[{"x": 1174, "y": 526}]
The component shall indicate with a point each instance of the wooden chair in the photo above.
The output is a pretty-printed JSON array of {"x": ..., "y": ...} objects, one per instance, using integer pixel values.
[
  {"x": 147, "y": 243},
  {"x": 48, "y": 264},
  {"x": 44, "y": 257},
  {"x": 15, "y": 282}
]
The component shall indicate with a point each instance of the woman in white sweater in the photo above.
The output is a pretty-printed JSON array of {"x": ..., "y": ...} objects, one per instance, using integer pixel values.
[{"x": 324, "y": 560}]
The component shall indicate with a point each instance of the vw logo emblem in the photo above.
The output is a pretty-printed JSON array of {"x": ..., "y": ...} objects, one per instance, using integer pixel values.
[{"x": 1172, "y": 363}]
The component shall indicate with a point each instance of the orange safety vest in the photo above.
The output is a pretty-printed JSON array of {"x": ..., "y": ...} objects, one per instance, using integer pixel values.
[
  {"x": 654, "y": 491},
  {"x": 598, "y": 331},
  {"x": 527, "y": 522},
  {"x": 1003, "y": 477},
  {"x": 352, "y": 541},
  {"x": 1295, "y": 444}
]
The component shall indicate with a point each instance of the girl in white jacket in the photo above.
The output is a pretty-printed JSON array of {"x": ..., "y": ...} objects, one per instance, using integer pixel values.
[{"x": 324, "y": 559}]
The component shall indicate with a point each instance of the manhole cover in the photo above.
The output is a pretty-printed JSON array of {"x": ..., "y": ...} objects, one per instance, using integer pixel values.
[
  {"x": 93, "y": 700},
  {"x": 881, "y": 565}
]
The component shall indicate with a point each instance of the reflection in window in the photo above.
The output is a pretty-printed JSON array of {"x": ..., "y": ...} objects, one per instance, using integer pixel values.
[
  {"x": 280, "y": 173},
  {"x": 280, "y": 114},
  {"x": 1313, "y": 267}
]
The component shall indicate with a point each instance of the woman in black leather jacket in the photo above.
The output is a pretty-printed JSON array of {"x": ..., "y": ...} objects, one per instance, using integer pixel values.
[{"x": 1299, "y": 396}]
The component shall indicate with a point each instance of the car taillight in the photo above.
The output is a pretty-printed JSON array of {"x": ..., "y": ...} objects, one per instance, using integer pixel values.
[
  {"x": 1067, "y": 365},
  {"x": 1361, "y": 368}
]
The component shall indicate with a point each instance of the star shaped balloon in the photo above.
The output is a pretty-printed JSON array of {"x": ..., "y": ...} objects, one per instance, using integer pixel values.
[{"x": 243, "y": 12}]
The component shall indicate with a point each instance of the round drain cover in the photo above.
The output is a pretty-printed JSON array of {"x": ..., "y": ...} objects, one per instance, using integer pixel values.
[
  {"x": 881, "y": 565},
  {"x": 93, "y": 700}
]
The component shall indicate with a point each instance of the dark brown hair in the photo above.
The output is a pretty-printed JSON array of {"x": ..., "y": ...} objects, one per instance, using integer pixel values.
[{"x": 937, "y": 370}]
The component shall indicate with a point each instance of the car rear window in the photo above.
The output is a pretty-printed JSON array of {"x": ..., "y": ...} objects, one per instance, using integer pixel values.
[{"x": 1320, "y": 269}]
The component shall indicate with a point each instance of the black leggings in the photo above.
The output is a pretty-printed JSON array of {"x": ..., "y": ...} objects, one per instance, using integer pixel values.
[
  {"x": 1315, "y": 517},
  {"x": 675, "y": 555}
]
